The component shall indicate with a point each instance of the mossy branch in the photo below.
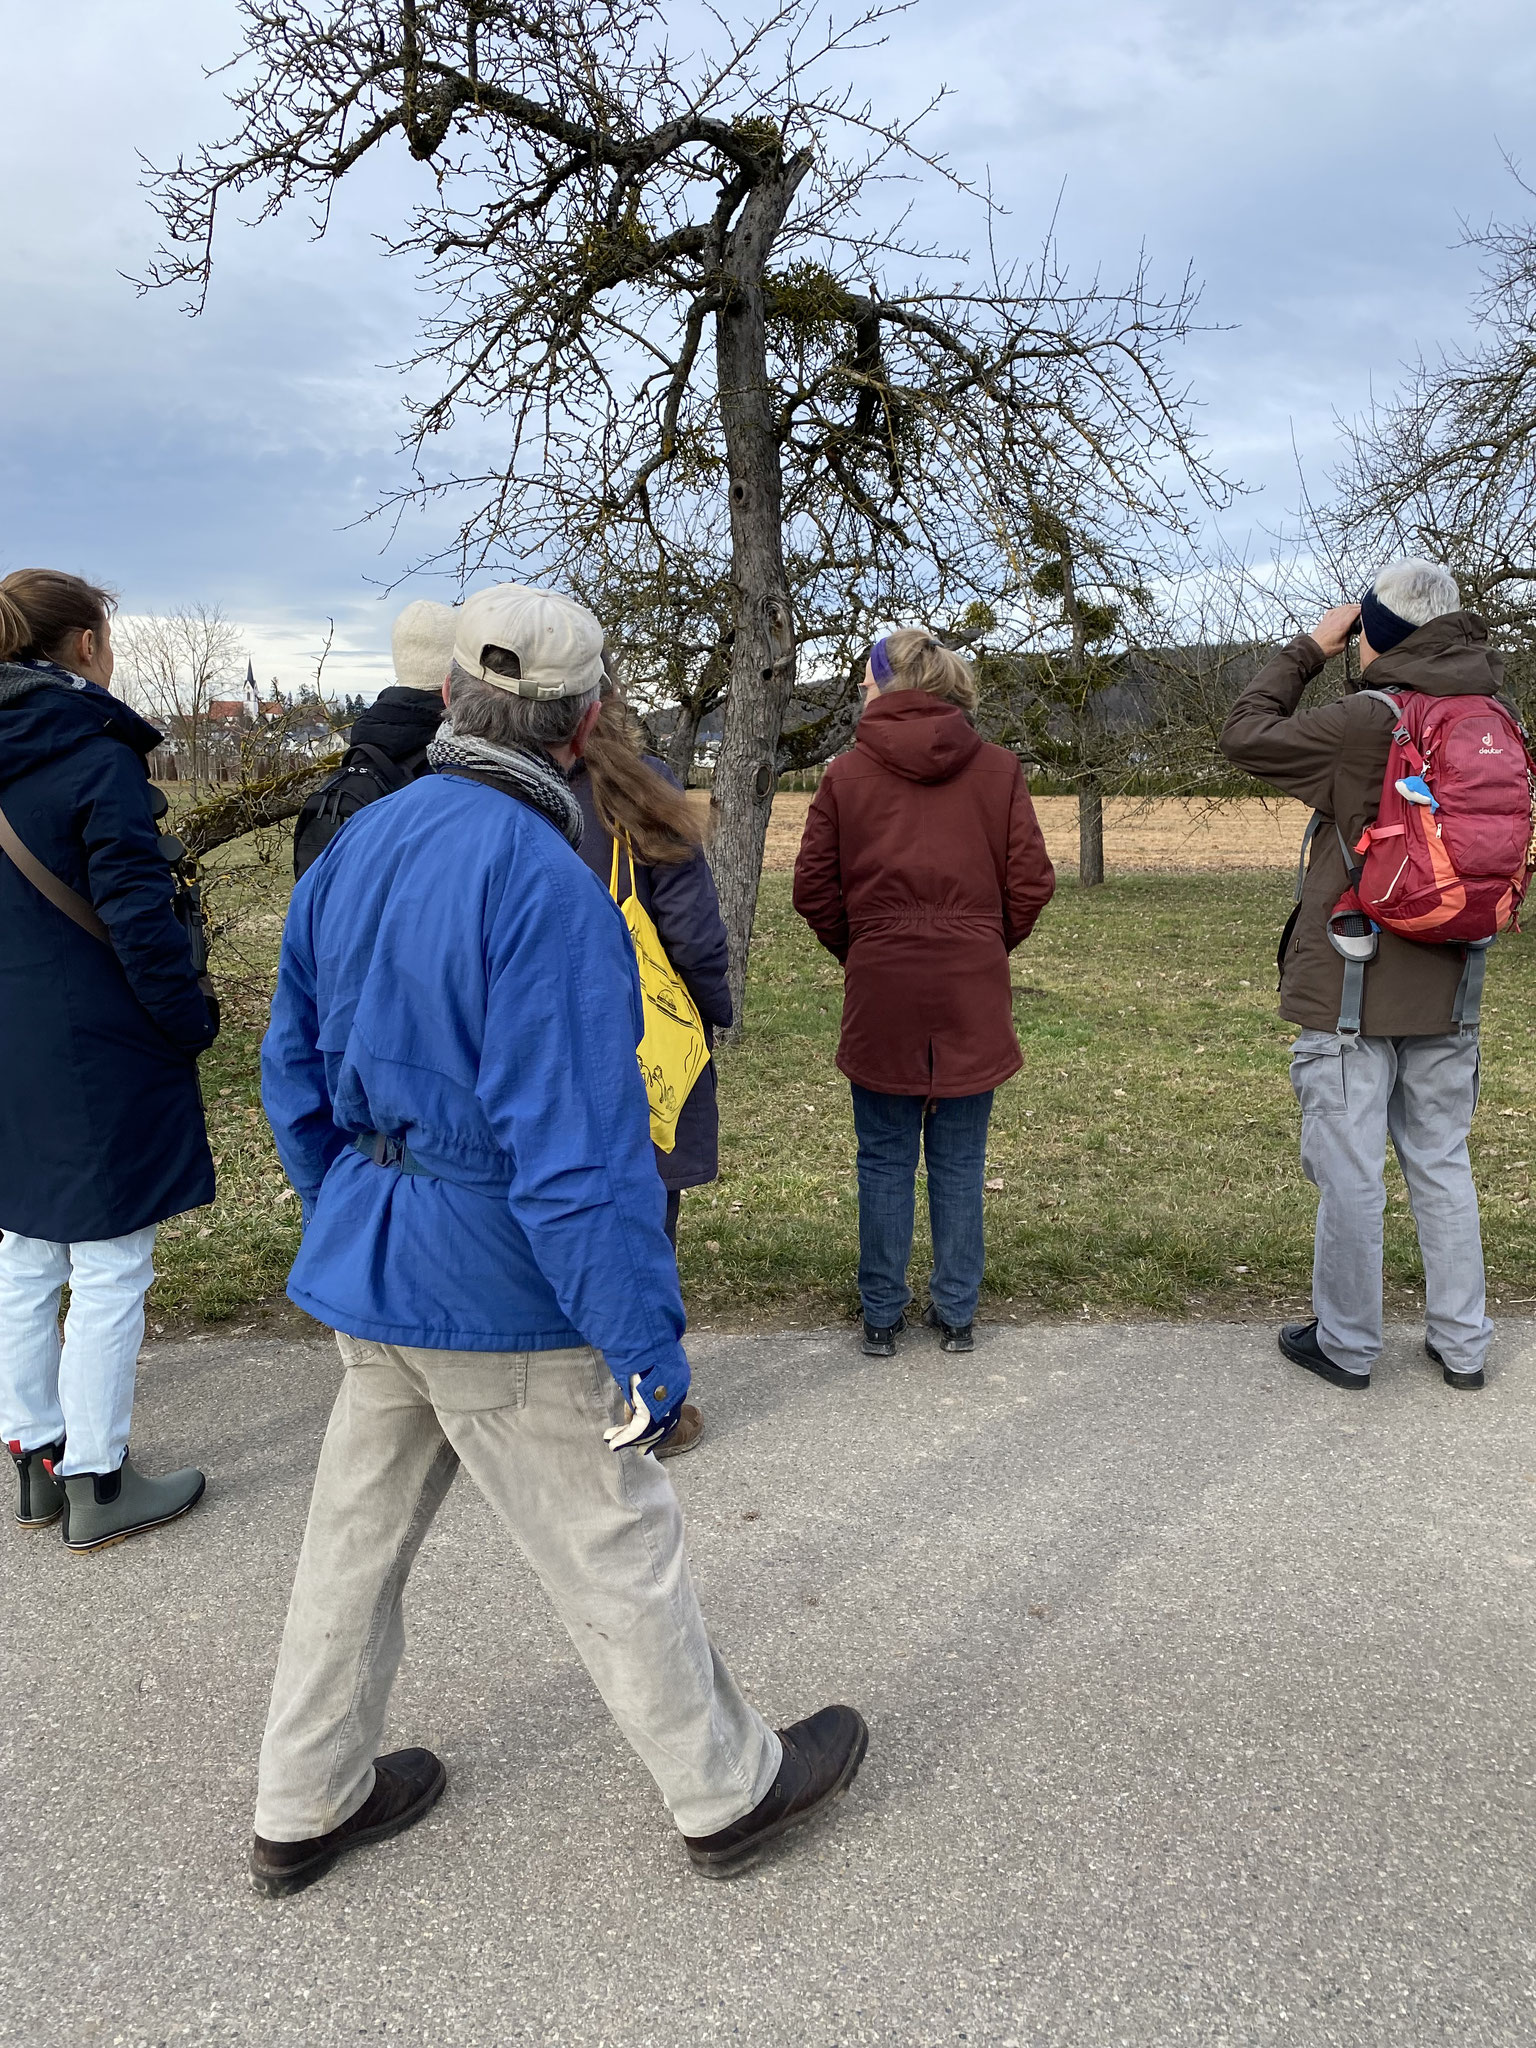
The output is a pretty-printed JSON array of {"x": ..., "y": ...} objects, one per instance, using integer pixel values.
[{"x": 246, "y": 806}]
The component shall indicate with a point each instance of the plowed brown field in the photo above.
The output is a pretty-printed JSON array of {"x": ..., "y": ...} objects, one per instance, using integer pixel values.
[{"x": 1166, "y": 836}]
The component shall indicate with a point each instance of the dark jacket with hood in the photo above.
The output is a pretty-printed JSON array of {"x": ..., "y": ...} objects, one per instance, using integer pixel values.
[
  {"x": 400, "y": 723},
  {"x": 1334, "y": 759},
  {"x": 921, "y": 868},
  {"x": 681, "y": 898},
  {"x": 101, "y": 1121}
]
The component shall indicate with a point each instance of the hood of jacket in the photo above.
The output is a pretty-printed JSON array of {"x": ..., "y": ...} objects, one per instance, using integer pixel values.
[
  {"x": 917, "y": 736},
  {"x": 399, "y": 722},
  {"x": 1450, "y": 657},
  {"x": 44, "y": 715}
]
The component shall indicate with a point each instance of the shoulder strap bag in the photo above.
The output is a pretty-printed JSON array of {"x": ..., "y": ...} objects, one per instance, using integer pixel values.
[
  {"x": 674, "y": 1052},
  {"x": 47, "y": 883}
]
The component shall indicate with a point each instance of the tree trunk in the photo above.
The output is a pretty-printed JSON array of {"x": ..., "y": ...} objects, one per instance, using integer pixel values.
[
  {"x": 685, "y": 738},
  {"x": 763, "y": 649},
  {"x": 1090, "y": 832}
]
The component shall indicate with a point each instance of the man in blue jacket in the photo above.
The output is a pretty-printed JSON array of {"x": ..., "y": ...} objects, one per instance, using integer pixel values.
[{"x": 451, "y": 1077}]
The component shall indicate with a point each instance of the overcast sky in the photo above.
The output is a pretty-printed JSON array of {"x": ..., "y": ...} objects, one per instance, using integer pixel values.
[{"x": 1313, "y": 160}]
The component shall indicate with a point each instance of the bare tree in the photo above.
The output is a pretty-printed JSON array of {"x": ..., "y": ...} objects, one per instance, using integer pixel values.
[
  {"x": 660, "y": 273},
  {"x": 1447, "y": 466},
  {"x": 172, "y": 666}
]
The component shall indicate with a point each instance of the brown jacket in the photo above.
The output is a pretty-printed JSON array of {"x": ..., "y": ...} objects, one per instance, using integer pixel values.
[
  {"x": 1333, "y": 758},
  {"x": 921, "y": 868}
]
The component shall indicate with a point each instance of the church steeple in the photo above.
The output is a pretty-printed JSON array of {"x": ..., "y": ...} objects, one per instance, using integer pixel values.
[{"x": 252, "y": 697}]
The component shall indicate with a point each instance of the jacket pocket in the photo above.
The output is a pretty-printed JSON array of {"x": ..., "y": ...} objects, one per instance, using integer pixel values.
[{"x": 1317, "y": 1074}]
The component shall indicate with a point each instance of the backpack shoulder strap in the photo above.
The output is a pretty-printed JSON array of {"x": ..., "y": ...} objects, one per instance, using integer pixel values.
[
  {"x": 392, "y": 773},
  {"x": 1383, "y": 697}
]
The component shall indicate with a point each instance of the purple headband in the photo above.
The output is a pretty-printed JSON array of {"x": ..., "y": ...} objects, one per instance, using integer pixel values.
[{"x": 880, "y": 665}]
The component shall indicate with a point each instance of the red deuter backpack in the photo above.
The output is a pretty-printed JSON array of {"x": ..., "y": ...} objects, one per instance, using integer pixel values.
[{"x": 1448, "y": 858}]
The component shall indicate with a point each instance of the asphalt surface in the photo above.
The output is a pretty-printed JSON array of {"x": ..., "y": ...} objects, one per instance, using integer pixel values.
[{"x": 1200, "y": 1699}]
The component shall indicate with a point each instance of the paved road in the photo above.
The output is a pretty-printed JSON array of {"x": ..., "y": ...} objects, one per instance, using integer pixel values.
[{"x": 1201, "y": 1699}]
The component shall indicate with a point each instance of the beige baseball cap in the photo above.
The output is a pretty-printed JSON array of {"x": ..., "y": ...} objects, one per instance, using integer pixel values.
[{"x": 558, "y": 643}]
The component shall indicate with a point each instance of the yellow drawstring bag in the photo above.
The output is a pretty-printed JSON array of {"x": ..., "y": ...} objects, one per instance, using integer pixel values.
[{"x": 673, "y": 1053}]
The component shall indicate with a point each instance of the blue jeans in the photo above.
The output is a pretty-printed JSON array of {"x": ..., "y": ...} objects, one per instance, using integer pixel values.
[{"x": 952, "y": 1132}]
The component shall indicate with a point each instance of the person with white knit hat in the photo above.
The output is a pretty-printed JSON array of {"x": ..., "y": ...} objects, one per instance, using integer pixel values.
[{"x": 387, "y": 747}]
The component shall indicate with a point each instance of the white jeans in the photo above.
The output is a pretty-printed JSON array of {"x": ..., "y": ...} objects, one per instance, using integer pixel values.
[{"x": 83, "y": 1389}]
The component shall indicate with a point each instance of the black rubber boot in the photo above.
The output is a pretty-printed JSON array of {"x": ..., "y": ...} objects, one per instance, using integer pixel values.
[
  {"x": 952, "y": 1336},
  {"x": 1468, "y": 1381},
  {"x": 821, "y": 1759},
  {"x": 108, "y": 1507},
  {"x": 41, "y": 1498},
  {"x": 880, "y": 1343},
  {"x": 407, "y": 1784},
  {"x": 1299, "y": 1343}
]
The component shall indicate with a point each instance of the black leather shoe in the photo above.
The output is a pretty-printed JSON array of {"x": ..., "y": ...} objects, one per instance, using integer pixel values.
[
  {"x": 821, "y": 1759},
  {"x": 882, "y": 1343},
  {"x": 407, "y": 1784},
  {"x": 1470, "y": 1380},
  {"x": 1299, "y": 1343},
  {"x": 952, "y": 1336}
]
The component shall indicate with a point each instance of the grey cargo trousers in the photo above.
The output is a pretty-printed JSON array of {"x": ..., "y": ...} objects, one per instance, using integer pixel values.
[
  {"x": 1421, "y": 1093},
  {"x": 603, "y": 1531}
]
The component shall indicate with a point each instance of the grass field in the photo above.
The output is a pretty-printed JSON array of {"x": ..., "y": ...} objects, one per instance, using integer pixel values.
[{"x": 1146, "y": 1153}]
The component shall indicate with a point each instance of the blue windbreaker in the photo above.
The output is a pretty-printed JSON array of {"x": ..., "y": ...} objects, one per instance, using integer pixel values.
[{"x": 452, "y": 973}]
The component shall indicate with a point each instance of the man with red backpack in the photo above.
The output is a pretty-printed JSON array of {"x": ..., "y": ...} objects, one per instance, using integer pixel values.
[{"x": 1421, "y": 793}]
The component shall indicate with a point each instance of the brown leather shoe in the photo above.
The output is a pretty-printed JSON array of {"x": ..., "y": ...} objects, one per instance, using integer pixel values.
[
  {"x": 690, "y": 1427},
  {"x": 407, "y": 1784},
  {"x": 821, "y": 1759}
]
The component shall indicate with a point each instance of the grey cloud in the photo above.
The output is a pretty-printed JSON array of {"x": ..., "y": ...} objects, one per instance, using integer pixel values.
[{"x": 1310, "y": 157}]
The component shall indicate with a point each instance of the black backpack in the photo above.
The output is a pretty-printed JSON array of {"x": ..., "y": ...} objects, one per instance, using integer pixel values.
[{"x": 365, "y": 774}]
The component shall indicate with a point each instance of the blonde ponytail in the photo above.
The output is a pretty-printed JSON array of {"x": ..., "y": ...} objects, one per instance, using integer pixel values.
[{"x": 919, "y": 662}]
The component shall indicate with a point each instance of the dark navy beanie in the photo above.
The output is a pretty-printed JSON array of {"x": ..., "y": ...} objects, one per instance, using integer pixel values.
[{"x": 1381, "y": 625}]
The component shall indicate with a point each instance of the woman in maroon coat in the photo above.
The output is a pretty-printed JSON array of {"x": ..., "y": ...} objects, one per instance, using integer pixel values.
[{"x": 922, "y": 867}]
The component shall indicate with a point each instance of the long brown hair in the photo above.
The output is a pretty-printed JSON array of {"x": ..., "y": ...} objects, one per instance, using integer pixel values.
[
  {"x": 633, "y": 801},
  {"x": 40, "y": 608}
]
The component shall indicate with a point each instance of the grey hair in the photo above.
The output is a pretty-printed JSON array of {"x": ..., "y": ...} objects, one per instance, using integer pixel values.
[
  {"x": 478, "y": 710},
  {"x": 1416, "y": 590}
]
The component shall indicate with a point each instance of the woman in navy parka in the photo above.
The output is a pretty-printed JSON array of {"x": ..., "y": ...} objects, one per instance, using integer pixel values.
[
  {"x": 617, "y": 785},
  {"x": 101, "y": 1120}
]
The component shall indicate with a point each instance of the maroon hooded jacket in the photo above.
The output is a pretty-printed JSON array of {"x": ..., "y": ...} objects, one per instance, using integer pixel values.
[{"x": 921, "y": 868}]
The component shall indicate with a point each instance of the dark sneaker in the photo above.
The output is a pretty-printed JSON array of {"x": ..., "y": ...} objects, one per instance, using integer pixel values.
[
  {"x": 41, "y": 1497},
  {"x": 821, "y": 1759},
  {"x": 881, "y": 1343},
  {"x": 406, "y": 1785},
  {"x": 690, "y": 1427},
  {"x": 108, "y": 1507},
  {"x": 1470, "y": 1380},
  {"x": 952, "y": 1336},
  {"x": 1299, "y": 1343}
]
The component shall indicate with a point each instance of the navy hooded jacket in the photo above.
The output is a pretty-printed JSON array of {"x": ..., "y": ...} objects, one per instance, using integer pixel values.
[
  {"x": 452, "y": 975},
  {"x": 681, "y": 897},
  {"x": 101, "y": 1121}
]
